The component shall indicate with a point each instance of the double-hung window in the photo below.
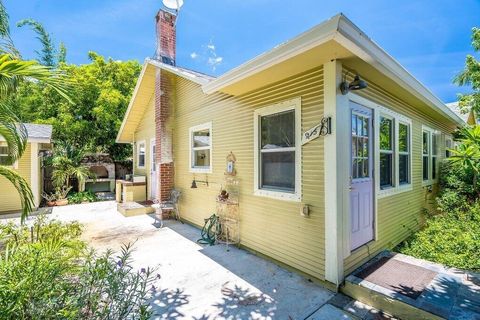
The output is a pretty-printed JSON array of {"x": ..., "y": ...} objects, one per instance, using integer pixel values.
[
  {"x": 430, "y": 144},
  {"x": 435, "y": 138},
  {"x": 141, "y": 154},
  {"x": 395, "y": 150},
  {"x": 277, "y": 150},
  {"x": 426, "y": 154},
  {"x": 386, "y": 153},
  {"x": 201, "y": 148},
  {"x": 448, "y": 146},
  {"x": 403, "y": 153}
]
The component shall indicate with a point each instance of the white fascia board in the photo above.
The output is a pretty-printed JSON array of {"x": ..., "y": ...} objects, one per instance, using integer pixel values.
[
  {"x": 304, "y": 42},
  {"x": 130, "y": 104},
  {"x": 178, "y": 72},
  {"x": 355, "y": 40},
  {"x": 32, "y": 140},
  {"x": 343, "y": 31}
]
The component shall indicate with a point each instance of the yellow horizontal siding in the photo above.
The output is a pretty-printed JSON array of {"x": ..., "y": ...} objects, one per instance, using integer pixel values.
[
  {"x": 144, "y": 132},
  {"x": 271, "y": 227},
  {"x": 9, "y": 198},
  {"x": 400, "y": 215}
]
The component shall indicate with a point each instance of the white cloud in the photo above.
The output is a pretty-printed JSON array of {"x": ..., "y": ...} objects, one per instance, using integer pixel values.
[{"x": 208, "y": 55}]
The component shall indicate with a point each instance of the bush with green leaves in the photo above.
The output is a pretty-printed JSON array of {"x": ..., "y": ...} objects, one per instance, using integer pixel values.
[
  {"x": 452, "y": 235},
  {"x": 81, "y": 197},
  {"x": 47, "y": 272}
]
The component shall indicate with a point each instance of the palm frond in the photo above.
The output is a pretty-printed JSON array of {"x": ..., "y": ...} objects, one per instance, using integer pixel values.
[
  {"x": 47, "y": 54},
  {"x": 13, "y": 132},
  {"x": 26, "y": 196},
  {"x": 6, "y": 43},
  {"x": 14, "y": 70}
]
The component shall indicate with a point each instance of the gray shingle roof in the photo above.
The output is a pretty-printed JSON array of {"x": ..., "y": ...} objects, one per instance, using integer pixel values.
[
  {"x": 38, "y": 131},
  {"x": 455, "y": 108}
]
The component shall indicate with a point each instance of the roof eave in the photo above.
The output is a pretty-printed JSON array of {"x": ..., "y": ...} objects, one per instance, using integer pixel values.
[
  {"x": 343, "y": 31},
  {"x": 130, "y": 104}
]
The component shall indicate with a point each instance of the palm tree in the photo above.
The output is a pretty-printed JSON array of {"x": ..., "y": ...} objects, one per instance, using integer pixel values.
[{"x": 14, "y": 70}]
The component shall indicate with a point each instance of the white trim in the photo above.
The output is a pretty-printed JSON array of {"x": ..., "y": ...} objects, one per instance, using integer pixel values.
[
  {"x": 152, "y": 166},
  {"x": 336, "y": 178},
  {"x": 203, "y": 126},
  {"x": 380, "y": 110},
  {"x": 157, "y": 65},
  {"x": 293, "y": 104},
  {"x": 34, "y": 173},
  {"x": 181, "y": 73},
  {"x": 431, "y": 132},
  {"x": 343, "y": 31},
  {"x": 130, "y": 104},
  {"x": 32, "y": 140},
  {"x": 139, "y": 143}
]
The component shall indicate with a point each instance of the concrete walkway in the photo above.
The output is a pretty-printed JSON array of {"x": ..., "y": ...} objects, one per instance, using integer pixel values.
[{"x": 200, "y": 282}]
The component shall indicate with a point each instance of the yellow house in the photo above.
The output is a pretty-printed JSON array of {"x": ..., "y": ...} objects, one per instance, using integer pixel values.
[
  {"x": 337, "y": 146},
  {"x": 28, "y": 166}
]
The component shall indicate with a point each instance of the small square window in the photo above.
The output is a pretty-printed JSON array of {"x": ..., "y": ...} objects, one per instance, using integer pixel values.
[{"x": 201, "y": 148}]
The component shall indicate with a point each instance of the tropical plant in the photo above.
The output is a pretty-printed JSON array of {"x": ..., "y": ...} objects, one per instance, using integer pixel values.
[
  {"x": 14, "y": 71},
  {"x": 47, "y": 55},
  {"x": 47, "y": 272},
  {"x": 467, "y": 153},
  {"x": 470, "y": 76},
  {"x": 60, "y": 193},
  {"x": 67, "y": 165},
  {"x": 82, "y": 196}
]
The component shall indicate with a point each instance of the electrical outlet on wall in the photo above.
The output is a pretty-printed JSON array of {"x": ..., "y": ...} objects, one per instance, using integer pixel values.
[{"x": 305, "y": 210}]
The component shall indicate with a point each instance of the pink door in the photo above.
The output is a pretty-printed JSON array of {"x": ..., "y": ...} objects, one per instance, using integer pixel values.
[{"x": 361, "y": 175}]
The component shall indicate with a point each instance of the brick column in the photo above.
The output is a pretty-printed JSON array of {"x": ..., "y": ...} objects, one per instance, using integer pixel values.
[{"x": 163, "y": 134}]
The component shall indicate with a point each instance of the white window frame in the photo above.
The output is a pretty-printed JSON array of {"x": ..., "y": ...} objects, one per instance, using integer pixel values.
[
  {"x": 448, "y": 138},
  {"x": 430, "y": 133},
  {"x": 407, "y": 153},
  {"x": 200, "y": 127},
  {"x": 15, "y": 164},
  {"x": 139, "y": 143},
  {"x": 390, "y": 117},
  {"x": 294, "y": 104},
  {"x": 397, "y": 118}
]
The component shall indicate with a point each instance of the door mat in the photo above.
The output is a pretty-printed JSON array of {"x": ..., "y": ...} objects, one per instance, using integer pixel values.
[{"x": 398, "y": 276}]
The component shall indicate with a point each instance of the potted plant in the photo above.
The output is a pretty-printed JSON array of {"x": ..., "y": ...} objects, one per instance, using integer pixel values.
[{"x": 57, "y": 198}]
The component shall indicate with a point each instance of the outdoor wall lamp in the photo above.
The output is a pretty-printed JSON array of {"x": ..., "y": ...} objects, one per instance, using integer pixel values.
[
  {"x": 356, "y": 84},
  {"x": 194, "y": 183}
]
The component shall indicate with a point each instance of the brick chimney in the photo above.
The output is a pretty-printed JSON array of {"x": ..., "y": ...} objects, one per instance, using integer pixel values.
[
  {"x": 164, "y": 104},
  {"x": 166, "y": 37}
]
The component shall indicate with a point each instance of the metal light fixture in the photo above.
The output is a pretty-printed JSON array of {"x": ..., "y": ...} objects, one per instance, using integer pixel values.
[
  {"x": 356, "y": 84},
  {"x": 194, "y": 184}
]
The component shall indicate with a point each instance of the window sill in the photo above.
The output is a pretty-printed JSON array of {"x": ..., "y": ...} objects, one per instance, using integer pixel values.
[
  {"x": 201, "y": 170},
  {"x": 285, "y": 196},
  {"x": 393, "y": 191},
  {"x": 140, "y": 167},
  {"x": 427, "y": 183}
]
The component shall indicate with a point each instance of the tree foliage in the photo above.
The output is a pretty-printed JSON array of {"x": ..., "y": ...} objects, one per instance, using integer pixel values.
[
  {"x": 47, "y": 54},
  {"x": 101, "y": 95},
  {"x": 13, "y": 72},
  {"x": 470, "y": 76}
]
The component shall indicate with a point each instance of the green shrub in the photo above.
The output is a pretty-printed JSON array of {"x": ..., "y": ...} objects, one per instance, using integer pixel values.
[
  {"x": 54, "y": 276},
  {"x": 452, "y": 239},
  {"x": 80, "y": 197},
  {"x": 451, "y": 236}
]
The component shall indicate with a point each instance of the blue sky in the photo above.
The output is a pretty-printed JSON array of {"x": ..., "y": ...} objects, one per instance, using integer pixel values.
[{"x": 429, "y": 38}]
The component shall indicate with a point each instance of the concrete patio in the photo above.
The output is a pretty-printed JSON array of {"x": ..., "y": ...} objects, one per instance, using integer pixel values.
[{"x": 199, "y": 282}]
